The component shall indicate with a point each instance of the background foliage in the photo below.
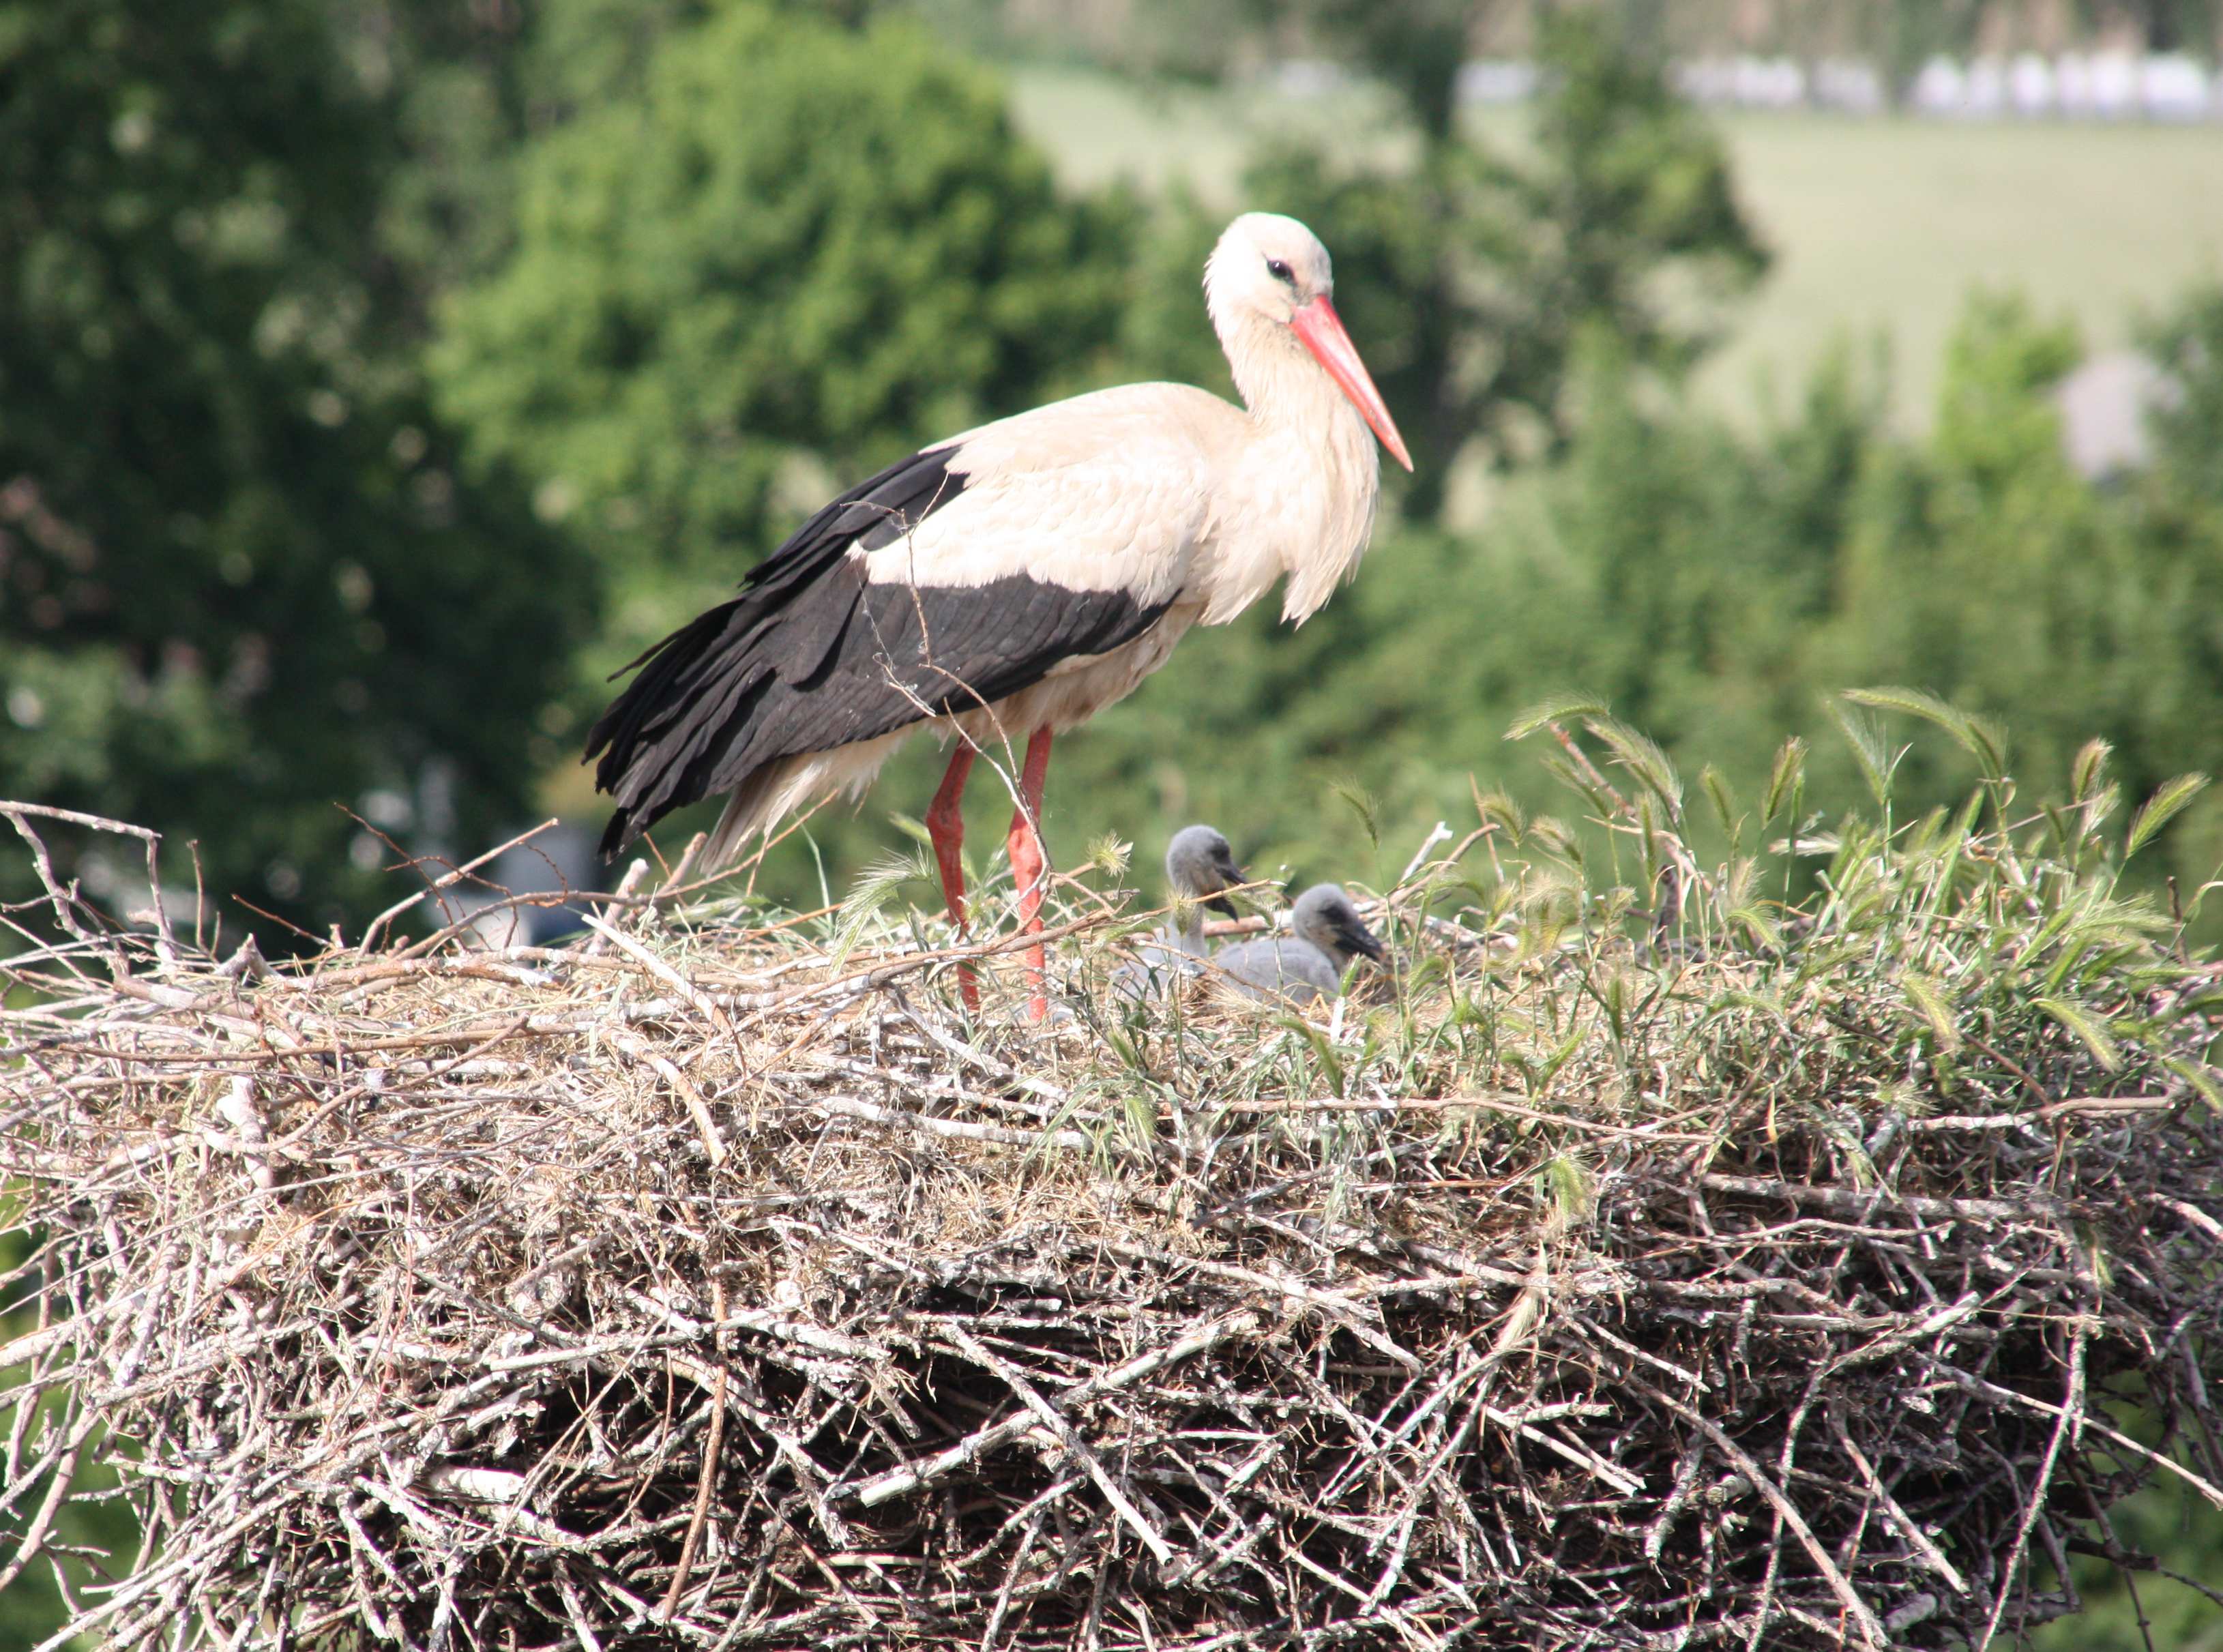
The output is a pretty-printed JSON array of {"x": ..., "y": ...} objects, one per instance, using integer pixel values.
[
  {"x": 240, "y": 578},
  {"x": 373, "y": 377},
  {"x": 382, "y": 377},
  {"x": 762, "y": 263}
]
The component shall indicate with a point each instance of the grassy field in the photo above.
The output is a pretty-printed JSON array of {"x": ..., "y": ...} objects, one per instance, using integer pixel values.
[{"x": 1880, "y": 227}]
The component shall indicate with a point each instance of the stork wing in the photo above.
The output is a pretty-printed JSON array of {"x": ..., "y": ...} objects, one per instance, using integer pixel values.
[{"x": 951, "y": 580}]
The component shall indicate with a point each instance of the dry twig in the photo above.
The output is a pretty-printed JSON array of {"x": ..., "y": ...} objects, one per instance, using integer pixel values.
[{"x": 691, "y": 1287}]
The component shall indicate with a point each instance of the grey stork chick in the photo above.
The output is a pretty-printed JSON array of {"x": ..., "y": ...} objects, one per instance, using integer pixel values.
[
  {"x": 1199, "y": 869},
  {"x": 1326, "y": 933}
]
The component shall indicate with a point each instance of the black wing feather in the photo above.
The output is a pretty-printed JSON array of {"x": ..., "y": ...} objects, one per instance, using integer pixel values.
[{"x": 810, "y": 656}]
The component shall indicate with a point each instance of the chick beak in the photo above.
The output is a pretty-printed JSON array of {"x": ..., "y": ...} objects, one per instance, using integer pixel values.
[
  {"x": 1231, "y": 875},
  {"x": 1357, "y": 938}
]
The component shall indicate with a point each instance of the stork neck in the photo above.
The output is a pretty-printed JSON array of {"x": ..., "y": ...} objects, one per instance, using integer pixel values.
[
  {"x": 1185, "y": 928},
  {"x": 1280, "y": 384},
  {"x": 1314, "y": 478}
]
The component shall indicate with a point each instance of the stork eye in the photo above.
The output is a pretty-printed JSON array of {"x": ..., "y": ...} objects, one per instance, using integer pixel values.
[{"x": 1280, "y": 271}]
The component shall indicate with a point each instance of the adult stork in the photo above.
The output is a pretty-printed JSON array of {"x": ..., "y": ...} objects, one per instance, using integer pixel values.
[{"x": 1016, "y": 580}]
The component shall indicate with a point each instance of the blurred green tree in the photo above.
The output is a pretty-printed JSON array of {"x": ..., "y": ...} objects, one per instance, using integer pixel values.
[
  {"x": 776, "y": 256},
  {"x": 2162, "y": 25},
  {"x": 1984, "y": 568},
  {"x": 1415, "y": 47},
  {"x": 1903, "y": 34},
  {"x": 1471, "y": 278},
  {"x": 1715, "y": 587},
  {"x": 2186, "y": 424},
  {"x": 241, "y": 581}
]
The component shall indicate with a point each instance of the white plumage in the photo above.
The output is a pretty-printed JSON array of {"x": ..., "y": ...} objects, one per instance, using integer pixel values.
[{"x": 1008, "y": 583}]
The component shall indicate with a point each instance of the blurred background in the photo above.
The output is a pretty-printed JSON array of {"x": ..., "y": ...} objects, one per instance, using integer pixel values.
[{"x": 377, "y": 376}]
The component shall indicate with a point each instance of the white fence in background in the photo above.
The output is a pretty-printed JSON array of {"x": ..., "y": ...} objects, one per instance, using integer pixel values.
[{"x": 2076, "y": 85}]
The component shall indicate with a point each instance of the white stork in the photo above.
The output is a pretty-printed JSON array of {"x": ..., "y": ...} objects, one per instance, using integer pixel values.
[{"x": 1018, "y": 579}]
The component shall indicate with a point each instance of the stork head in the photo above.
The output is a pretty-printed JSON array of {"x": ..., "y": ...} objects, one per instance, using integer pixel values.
[
  {"x": 1323, "y": 916},
  {"x": 1271, "y": 271},
  {"x": 1199, "y": 864}
]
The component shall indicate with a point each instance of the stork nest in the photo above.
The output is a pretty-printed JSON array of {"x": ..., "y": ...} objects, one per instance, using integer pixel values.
[{"x": 1615, "y": 1276}]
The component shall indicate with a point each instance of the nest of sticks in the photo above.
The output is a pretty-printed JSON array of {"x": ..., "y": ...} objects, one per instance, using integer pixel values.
[{"x": 719, "y": 1284}]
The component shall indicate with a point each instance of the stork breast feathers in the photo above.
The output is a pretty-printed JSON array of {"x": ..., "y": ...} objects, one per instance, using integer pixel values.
[{"x": 1108, "y": 492}]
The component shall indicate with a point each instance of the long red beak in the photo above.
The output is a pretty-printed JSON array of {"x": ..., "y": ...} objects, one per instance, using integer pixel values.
[{"x": 1321, "y": 328}]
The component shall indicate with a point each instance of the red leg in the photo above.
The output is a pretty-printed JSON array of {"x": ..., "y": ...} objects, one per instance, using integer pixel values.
[
  {"x": 1028, "y": 864},
  {"x": 945, "y": 824}
]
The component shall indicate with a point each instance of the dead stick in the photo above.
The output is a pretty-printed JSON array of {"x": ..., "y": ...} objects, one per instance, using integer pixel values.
[
  {"x": 447, "y": 880},
  {"x": 1846, "y": 1201},
  {"x": 915, "y": 1476},
  {"x": 1062, "y": 1426},
  {"x": 699, "y": 1109},
  {"x": 711, "y": 1447},
  {"x": 2071, "y": 1411},
  {"x": 1993, "y": 1391},
  {"x": 1853, "y": 1605},
  {"x": 1445, "y": 1104},
  {"x": 628, "y": 889},
  {"x": 1897, "y": 1516}
]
